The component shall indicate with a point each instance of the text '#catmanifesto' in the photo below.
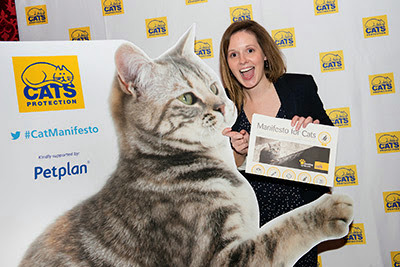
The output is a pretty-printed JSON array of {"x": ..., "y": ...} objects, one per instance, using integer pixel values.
[{"x": 56, "y": 132}]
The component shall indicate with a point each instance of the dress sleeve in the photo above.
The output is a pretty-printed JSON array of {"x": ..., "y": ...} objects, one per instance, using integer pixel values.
[{"x": 317, "y": 107}]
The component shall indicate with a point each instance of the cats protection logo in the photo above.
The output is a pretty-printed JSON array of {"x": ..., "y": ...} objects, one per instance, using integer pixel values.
[
  {"x": 48, "y": 83},
  {"x": 395, "y": 255},
  {"x": 387, "y": 142},
  {"x": 191, "y": 2},
  {"x": 380, "y": 84},
  {"x": 204, "y": 48},
  {"x": 322, "y": 7},
  {"x": 284, "y": 38},
  {"x": 79, "y": 34},
  {"x": 331, "y": 61},
  {"x": 156, "y": 27},
  {"x": 36, "y": 15},
  {"x": 112, "y": 7},
  {"x": 340, "y": 117},
  {"x": 356, "y": 235},
  {"x": 392, "y": 201},
  {"x": 375, "y": 26},
  {"x": 346, "y": 175},
  {"x": 240, "y": 13}
]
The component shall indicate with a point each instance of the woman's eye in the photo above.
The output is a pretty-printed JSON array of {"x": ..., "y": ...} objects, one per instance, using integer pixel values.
[
  {"x": 187, "y": 98},
  {"x": 233, "y": 55},
  {"x": 251, "y": 50},
  {"x": 214, "y": 88}
]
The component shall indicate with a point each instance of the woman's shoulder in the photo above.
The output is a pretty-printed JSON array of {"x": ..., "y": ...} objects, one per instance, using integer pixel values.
[{"x": 296, "y": 77}]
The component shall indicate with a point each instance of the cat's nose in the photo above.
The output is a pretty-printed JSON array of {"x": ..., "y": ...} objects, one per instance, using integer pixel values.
[{"x": 220, "y": 108}]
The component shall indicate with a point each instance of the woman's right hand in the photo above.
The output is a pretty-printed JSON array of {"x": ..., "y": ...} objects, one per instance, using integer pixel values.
[{"x": 239, "y": 140}]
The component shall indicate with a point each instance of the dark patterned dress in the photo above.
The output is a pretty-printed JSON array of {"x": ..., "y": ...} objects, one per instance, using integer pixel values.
[{"x": 277, "y": 196}]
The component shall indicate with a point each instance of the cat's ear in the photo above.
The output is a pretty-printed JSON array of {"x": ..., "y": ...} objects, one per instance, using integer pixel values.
[
  {"x": 185, "y": 45},
  {"x": 130, "y": 62}
]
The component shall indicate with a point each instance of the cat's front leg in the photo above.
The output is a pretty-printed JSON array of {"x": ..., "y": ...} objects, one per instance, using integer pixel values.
[{"x": 291, "y": 235}]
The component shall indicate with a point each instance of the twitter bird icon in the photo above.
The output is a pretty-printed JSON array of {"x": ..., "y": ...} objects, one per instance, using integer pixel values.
[{"x": 15, "y": 135}]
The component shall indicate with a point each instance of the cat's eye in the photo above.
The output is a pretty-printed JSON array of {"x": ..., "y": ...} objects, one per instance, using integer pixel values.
[
  {"x": 214, "y": 88},
  {"x": 187, "y": 98}
]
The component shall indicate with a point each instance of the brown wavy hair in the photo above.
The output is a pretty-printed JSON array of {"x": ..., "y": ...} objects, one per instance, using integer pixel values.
[{"x": 276, "y": 68}]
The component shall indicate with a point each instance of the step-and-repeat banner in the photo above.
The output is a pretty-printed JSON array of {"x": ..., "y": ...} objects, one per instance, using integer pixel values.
[{"x": 58, "y": 149}]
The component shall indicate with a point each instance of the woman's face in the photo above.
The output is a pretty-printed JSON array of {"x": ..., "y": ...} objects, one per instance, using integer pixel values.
[{"x": 246, "y": 60}]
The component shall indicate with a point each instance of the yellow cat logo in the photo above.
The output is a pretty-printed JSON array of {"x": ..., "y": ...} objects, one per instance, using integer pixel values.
[
  {"x": 375, "y": 26},
  {"x": 191, "y": 2},
  {"x": 112, "y": 7},
  {"x": 356, "y": 235},
  {"x": 48, "y": 83},
  {"x": 392, "y": 201},
  {"x": 395, "y": 255},
  {"x": 340, "y": 117},
  {"x": 322, "y": 7},
  {"x": 388, "y": 142},
  {"x": 346, "y": 175},
  {"x": 284, "y": 38},
  {"x": 36, "y": 15},
  {"x": 331, "y": 61},
  {"x": 241, "y": 13},
  {"x": 381, "y": 84},
  {"x": 203, "y": 48},
  {"x": 157, "y": 27},
  {"x": 79, "y": 34}
]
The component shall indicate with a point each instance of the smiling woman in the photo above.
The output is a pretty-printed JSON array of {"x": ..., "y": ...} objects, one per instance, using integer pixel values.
[{"x": 254, "y": 75}]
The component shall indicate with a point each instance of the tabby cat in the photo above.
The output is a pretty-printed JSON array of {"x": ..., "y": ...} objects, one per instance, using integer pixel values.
[{"x": 176, "y": 198}]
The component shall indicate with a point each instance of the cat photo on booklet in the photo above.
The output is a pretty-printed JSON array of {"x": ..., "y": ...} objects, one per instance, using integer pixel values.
[{"x": 176, "y": 197}]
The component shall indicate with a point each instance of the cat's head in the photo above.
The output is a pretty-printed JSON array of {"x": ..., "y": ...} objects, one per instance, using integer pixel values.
[
  {"x": 63, "y": 75},
  {"x": 175, "y": 101}
]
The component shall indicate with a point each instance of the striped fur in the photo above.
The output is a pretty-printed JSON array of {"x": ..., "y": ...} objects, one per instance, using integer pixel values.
[{"x": 176, "y": 198}]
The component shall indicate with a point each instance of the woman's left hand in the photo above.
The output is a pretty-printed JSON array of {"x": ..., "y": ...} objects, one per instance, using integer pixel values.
[{"x": 301, "y": 121}]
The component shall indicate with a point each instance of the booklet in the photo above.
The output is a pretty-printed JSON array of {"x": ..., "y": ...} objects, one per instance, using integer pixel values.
[{"x": 277, "y": 150}]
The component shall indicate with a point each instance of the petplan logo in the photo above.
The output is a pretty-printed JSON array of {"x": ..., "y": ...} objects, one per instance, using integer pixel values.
[
  {"x": 395, "y": 255},
  {"x": 346, "y": 175},
  {"x": 284, "y": 38},
  {"x": 380, "y": 84},
  {"x": 191, "y": 2},
  {"x": 340, "y": 117},
  {"x": 387, "y": 142},
  {"x": 322, "y": 7},
  {"x": 240, "y": 13},
  {"x": 204, "y": 48},
  {"x": 79, "y": 34},
  {"x": 59, "y": 172},
  {"x": 48, "y": 83},
  {"x": 356, "y": 235},
  {"x": 331, "y": 61},
  {"x": 375, "y": 26},
  {"x": 156, "y": 27},
  {"x": 392, "y": 201},
  {"x": 112, "y": 7},
  {"x": 36, "y": 15}
]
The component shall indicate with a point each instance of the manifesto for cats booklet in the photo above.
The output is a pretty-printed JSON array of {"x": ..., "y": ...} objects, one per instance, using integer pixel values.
[{"x": 277, "y": 150}]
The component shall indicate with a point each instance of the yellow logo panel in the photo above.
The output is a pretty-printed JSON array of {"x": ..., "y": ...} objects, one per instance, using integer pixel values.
[
  {"x": 356, "y": 235},
  {"x": 48, "y": 83},
  {"x": 240, "y": 13},
  {"x": 375, "y": 26},
  {"x": 322, "y": 7},
  {"x": 112, "y": 7},
  {"x": 156, "y": 27},
  {"x": 331, "y": 61},
  {"x": 346, "y": 175},
  {"x": 79, "y": 34},
  {"x": 191, "y": 2},
  {"x": 392, "y": 201},
  {"x": 380, "y": 84},
  {"x": 395, "y": 255},
  {"x": 340, "y": 117},
  {"x": 387, "y": 142},
  {"x": 36, "y": 15},
  {"x": 204, "y": 48},
  {"x": 284, "y": 38}
]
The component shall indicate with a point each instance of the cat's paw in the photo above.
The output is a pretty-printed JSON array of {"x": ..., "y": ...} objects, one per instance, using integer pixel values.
[{"x": 334, "y": 213}]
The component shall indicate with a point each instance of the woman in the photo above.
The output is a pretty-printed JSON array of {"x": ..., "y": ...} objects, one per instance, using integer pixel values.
[{"x": 254, "y": 74}]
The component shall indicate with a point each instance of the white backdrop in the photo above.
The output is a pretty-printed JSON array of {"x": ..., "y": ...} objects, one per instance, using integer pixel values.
[{"x": 359, "y": 39}]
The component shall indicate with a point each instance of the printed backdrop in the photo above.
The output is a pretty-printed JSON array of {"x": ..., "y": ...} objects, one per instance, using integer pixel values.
[{"x": 60, "y": 143}]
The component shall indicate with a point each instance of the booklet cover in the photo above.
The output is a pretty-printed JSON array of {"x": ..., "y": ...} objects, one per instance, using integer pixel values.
[{"x": 277, "y": 150}]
